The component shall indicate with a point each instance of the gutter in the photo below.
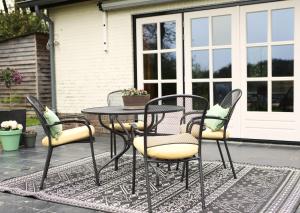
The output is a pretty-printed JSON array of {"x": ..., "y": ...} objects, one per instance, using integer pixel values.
[
  {"x": 52, "y": 55},
  {"x": 123, "y": 4}
]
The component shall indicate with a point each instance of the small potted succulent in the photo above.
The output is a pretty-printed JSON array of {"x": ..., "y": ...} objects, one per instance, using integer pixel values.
[
  {"x": 29, "y": 138},
  {"x": 10, "y": 133},
  {"x": 134, "y": 98}
]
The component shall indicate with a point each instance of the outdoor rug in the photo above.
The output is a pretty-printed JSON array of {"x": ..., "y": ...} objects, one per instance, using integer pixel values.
[{"x": 256, "y": 189}]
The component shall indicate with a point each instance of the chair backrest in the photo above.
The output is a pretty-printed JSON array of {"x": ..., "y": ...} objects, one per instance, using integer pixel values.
[
  {"x": 39, "y": 109},
  {"x": 230, "y": 101},
  {"x": 115, "y": 98},
  {"x": 175, "y": 108}
]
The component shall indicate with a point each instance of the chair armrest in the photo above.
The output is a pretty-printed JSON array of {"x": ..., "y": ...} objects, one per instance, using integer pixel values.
[
  {"x": 187, "y": 114},
  {"x": 78, "y": 117}
]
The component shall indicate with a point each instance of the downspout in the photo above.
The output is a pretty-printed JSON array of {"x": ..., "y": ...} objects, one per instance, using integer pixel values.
[{"x": 52, "y": 54}]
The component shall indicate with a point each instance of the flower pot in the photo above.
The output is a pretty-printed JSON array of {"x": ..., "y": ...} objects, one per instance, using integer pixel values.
[
  {"x": 10, "y": 140},
  {"x": 29, "y": 139},
  {"x": 135, "y": 102},
  {"x": 18, "y": 115}
]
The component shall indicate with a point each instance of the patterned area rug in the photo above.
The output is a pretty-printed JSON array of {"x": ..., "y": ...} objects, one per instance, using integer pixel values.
[{"x": 257, "y": 188}]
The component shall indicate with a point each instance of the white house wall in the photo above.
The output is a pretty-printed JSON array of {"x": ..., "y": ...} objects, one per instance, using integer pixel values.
[{"x": 85, "y": 73}]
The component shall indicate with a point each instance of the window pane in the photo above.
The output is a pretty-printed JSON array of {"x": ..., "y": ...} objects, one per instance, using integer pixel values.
[
  {"x": 221, "y": 30},
  {"x": 222, "y": 63},
  {"x": 199, "y": 32},
  {"x": 150, "y": 66},
  {"x": 283, "y": 60},
  {"x": 283, "y": 25},
  {"x": 283, "y": 96},
  {"x": 257, "y": 96},
  {"x": 168, "y": 35},
  {"x": 152, "y": 89},
  {"x": 257, "y": 27},
  {"x": 257, "y": 62},
  {"x": 169, "y": 89},
  {"x": 168, "y": 65},
  {"x": 200, "y": 64},
  {"x": 201, "y": 89},
  {"x": 149, "y": 36},
  {"x": 220, "y": 90}
]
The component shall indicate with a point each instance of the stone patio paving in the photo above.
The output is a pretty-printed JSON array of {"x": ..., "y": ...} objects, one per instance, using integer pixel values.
[{"x": 26, "y": 161}]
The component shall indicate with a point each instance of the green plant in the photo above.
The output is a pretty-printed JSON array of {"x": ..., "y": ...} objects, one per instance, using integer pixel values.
[
  {"x": 32, "y": 121},
  {"x": 134, "y": 92},
  {"x": 17, "y": 23},
  {"x": 9, "y": 77}
]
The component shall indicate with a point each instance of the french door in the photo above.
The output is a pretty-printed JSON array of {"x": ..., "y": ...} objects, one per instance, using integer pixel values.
[
  {"x": 159, "y": 58},
  {"x": 254, "y": 47},
  {"x": 211, "y": 68}
]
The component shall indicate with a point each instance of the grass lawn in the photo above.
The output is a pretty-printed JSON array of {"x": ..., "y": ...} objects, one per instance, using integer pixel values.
[{"x": 32, "y": 121}]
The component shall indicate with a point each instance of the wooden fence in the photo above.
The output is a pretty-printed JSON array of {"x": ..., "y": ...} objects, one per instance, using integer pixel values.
[{"x": 28, "y": 55}]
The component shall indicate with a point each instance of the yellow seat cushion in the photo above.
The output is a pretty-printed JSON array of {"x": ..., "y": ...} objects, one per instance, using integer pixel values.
[
  {"x": 127, "y": 125},
  {"x": 168, "y": 147},
  {"x": 206, "y": 134},
  {"x": 70, "y": 135}
]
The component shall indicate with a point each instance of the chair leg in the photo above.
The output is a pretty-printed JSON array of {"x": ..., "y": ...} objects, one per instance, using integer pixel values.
[
  {"x": 177, "y": 166},
  {"x": 169, "y": 166},
  {"x": 182, "y": 172},
  {"x": 111, "y": 145},
  {"x": 94, "y": 163},
  {"x": 47, "y": 163},
  {"x": 133, "y": 169},
  {"x": 201, "y": 182},
  {"x": 221, "y": 154},
  {"x": 187, "y": 175},
  {"x": 229, "y": 158},
  {"x": 148, "y": 185},
  {"x": 115, "y": 152}
]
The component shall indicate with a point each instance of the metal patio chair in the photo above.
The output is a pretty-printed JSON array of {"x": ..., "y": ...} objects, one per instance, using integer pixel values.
[
  {"x": 168, "y": 145},
  {"x": 83, "y": 134},
  {"x": 229, "y": 101},
  {"x": 114, "y": 98}
]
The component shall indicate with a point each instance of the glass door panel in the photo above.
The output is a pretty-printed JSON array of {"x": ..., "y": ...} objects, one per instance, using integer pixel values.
[{"x": 159, "y": 55}]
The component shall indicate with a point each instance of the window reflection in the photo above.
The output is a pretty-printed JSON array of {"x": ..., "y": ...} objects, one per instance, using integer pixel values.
[
  {"x": 169, "y": 89},
  {"x": 221, "y": 30},
  {"x": 222, "y": 63},
  {"x": 168, "y": 65},
  {"x": 149, "y": 37},
  {"x": 257, "y": 96},
  {"x": 201, "y": 89},
  {"x": 283, "y": 24},
  {"x": 200, "y": 64},
  {"x": 257, "y": 27},
  {"x": 257, "y": 62},
  {"x": 221, "y": 89},
  {"x": 199, "y": 32},
  {"x": 283, "y": 60},
  {"x": 150, "y": 66},
  {"x": 283, "y": 96},
  {"x": 168, "y": 35},
  {"x": 152, "y": 89}
]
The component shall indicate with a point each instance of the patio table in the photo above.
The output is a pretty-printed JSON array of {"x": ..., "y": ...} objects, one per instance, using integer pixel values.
[{"x": 115, "y": 111}]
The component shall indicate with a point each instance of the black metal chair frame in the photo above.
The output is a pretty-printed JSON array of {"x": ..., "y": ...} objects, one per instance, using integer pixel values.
[
  {"x": 226, "y": 122},
  {"x": 39, "y": 108},
  {"x": 148, "y": 160}
]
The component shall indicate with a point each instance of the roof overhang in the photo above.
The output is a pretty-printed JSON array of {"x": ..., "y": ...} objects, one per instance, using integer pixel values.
[{"x": 45, "y": 3}]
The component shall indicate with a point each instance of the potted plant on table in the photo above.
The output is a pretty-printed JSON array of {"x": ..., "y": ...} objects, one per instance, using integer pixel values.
[
  {"x": 10, "y": 133},
  {"x": 134, "y": 98},
  {"x": 12, "y": 77},
  {"x": 29, "y": 138}
]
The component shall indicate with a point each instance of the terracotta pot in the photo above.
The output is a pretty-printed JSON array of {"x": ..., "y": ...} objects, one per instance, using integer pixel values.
[{"x": 135, "y": 102}]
